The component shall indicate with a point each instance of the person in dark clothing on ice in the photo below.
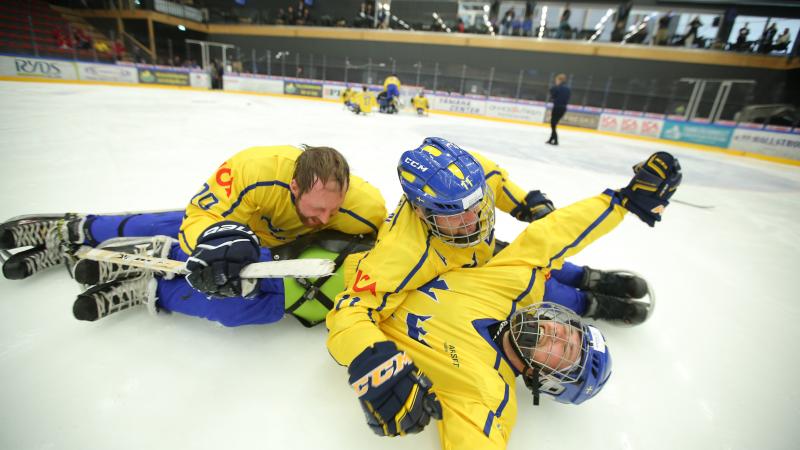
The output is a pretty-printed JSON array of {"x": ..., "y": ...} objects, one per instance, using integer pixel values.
[{"x": 559, "y": 95}]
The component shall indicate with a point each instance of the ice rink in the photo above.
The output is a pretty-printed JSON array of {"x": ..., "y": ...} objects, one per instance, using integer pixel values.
[{"x": 716, "y": 367}]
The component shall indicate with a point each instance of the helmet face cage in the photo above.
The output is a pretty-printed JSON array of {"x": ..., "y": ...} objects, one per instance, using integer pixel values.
[
  {"x": 544, "y": 335},
  {"x": 466, "y": 228}
]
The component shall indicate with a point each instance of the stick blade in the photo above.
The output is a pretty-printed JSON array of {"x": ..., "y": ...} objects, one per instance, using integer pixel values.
[{"x": 297, "y": 268}]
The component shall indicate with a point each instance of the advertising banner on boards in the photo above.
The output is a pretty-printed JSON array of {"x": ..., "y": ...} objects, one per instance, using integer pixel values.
[{"x": 37, "y": 68}]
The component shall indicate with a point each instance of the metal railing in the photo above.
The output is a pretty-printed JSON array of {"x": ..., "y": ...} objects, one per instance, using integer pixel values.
[
  {"x": 661, "y": 97},
  {"x": 664, "y": 97}
]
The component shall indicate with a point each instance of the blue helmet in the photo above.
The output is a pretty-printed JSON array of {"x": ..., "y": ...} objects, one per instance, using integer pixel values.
[
  {"x": 570, "y": 360},
  {"x": 448, "y": 186}
]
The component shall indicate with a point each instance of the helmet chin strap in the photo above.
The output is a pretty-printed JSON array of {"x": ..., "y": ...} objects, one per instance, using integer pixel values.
[
  {"x": 533, "y": 383},
  {"x": 532, "y": 380}
]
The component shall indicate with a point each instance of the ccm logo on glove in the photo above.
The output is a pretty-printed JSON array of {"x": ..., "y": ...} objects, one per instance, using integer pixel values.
[{"x": 382, "y": 373}]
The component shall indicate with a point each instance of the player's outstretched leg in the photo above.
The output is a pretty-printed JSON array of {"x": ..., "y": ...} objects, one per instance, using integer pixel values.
[
  {"x": 618, "y": 283},
  {"x": 619, "y": 297},
  {"x": 49, "y": 235},
  {"x": 107, "y": 298},
  {"x": 119, "y": 287},
  {"x": 616, "y": 310},
  {"x": 90, "y": 272}
]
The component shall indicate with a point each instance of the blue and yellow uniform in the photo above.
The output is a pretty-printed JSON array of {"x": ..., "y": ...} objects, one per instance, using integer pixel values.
[
  {"x": 392, "y": 86},
  {"x": 363, "y": 102},
  {"x": 405, "y": 257},
  {"x": 346, "y": 95},
  {"x": 444, "y": 324},
  {"x": 252, "y": 188},
  {"x": 420, "y": 104}
]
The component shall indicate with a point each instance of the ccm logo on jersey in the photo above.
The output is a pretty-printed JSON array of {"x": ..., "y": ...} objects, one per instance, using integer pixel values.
[
  {"x": 362, "y": 276},
  {"x": 415, "y": 164},
  {"x": 382, "y": 373}
]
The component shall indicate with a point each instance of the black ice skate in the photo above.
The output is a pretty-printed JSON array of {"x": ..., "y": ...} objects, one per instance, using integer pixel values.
[
  {"x": 53, "y": 238},
  {"x": 618, "y": 283},
  {"x": 98, "y": 272},
  {"x": 105, "y": 299},
  {"x": 616, "y": 310}
]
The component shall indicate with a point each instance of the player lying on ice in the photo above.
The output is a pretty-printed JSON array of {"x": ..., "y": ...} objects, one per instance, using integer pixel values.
[
  {"x": 260, "y": 198},
  {"x": 445, "y": 220},
  {"x": 117, "y": 288},
  {"x": 454, "y": 346}
]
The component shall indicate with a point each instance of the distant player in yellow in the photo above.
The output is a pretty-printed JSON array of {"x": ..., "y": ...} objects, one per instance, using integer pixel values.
[
  {"x": 392, "y": 83},
  {"x": 390, "y": 96},
  {"x": 362, "y": 102},
  {"x": 420, "y": 103},
  {"x": 346, "y": 96},
  {"x": 453, "y": 348}
]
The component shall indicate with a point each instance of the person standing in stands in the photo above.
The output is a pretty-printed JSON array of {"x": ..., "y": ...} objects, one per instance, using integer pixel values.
[
  {"x": 765, "y": 43},
  {"x": 559, "y": 95},
  {"x": 741, "y": 39},
  {"x": 783, "y": 41},
  {"x": 662, "y": 33}
]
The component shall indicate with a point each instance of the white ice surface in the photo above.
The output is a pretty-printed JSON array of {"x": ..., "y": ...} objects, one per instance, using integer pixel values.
[{"x": 715, "y": 368}]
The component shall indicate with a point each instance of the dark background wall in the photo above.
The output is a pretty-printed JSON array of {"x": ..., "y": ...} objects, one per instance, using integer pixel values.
[
  {"x": 594, "y": 74},
  {"x": 420, "y": 10},
  {"x": 412, "y": 11},
  {"x": 597, "y": 81}
]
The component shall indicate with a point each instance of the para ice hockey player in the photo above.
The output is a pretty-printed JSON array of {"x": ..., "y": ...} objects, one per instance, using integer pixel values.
[
  {"x": 362, "y": 102},
  {"x": 420, "y": 104},
  {"x": 346, "y": 96},
  {"x": 390, "y": 96},
  {"x": 455, "y": 345},
  {"x": 445, "y": 220},
  {"x": 261, "y": 197}
]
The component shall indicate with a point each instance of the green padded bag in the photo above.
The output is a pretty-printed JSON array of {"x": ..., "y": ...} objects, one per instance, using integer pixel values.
[{"x": 306, "y": 302}]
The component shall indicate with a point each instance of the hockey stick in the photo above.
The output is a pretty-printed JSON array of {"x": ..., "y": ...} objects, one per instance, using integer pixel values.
[
  {"x": 693, "y": 205},
  {"x": 298, "y": 268}
]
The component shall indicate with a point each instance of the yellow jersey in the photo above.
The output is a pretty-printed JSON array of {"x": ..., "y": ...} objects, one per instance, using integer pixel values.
[
  {"x": 365, "y": 101},
  {"x": 252, "y": 188},
  {"x": 391, "y": 80},
  {"x": 405, "y": 257},
  {"x": 420, "y": 103},
  {"x": 346, "y": 95}
]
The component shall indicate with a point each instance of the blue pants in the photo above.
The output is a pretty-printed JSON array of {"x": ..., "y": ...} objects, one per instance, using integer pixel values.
[
  {"x": 562, "y": 288},
  {"x": 101, "y": 228},
  {"x": 176, "y": 294},
  {"x": 392, "y": 91}
]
